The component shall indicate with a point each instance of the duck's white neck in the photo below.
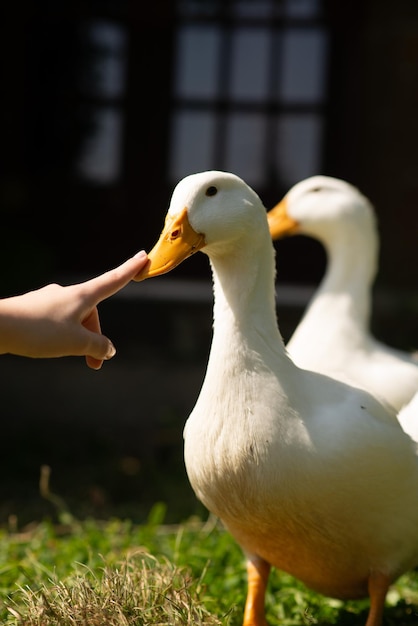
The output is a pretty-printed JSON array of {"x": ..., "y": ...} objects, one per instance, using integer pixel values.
[
  {"x": 244, "y": 295},
  {"x": 351, "y": 268}
]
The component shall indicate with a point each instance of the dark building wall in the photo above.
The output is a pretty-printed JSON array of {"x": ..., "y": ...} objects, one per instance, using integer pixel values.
[
  {"x": 54, "y": 225},
  {"x": 387, "y": 161}
]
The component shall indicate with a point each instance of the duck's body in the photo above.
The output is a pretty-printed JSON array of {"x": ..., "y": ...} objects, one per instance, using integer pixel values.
[
  {"x": 308, "y": 474},
  {"x": 334, "y": 335},
  {"x": 286, "y": 475},
  {"x": 331, "y": 339}
]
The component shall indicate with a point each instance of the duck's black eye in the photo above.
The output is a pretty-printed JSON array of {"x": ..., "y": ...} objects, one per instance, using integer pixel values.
[
  {"x": 211, "y": 191},
  {"x": 316, "y": 189}
]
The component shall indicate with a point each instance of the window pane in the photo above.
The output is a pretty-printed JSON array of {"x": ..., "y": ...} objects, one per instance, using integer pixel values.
[
  {"x": 193, "y": 8},
  {"x": 198, "y": 50},
  {"x": 246, "y": 135},
  {"x": 253, "y": 8},
  {"x": 299, "y": 147},
  {"x": 250, "y": 63},
  {"x": 302, "y": 8},
  {"x": 104, "y": 59},
  {"x": 304, "y": 65},
  {"x": 192, "y": 143},
  {"x": 100, "y": 160}
]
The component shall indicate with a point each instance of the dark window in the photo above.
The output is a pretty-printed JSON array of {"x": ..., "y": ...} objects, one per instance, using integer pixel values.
[
  {"x": 110, "y": 105},
  {"x": 102, "y": 84},
  {"x": 249, "y": 90}
]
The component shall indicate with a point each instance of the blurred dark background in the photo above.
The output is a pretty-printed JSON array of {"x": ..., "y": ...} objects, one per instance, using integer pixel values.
[{"x": 105, "y": 105}]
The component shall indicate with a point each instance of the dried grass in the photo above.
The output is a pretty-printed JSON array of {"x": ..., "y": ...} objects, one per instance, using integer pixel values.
[{"x": 142, "y": 591}]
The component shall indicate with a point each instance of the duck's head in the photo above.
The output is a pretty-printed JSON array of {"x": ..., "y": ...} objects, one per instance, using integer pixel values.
[
  {"x": 208, "y": 211},
  {"x": 317, "y": 206}
]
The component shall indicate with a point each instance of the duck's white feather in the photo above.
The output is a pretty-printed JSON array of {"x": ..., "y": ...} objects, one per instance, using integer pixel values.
[{"x": 334, "y": 334}]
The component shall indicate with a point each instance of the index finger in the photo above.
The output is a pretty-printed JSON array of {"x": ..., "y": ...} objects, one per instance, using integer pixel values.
[{"x": 110, "y": 282}]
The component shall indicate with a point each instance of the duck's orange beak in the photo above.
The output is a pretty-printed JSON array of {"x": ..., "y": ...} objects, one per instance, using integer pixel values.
[
  {"x": 280, "y": 222},
  {"x": 177, "y": 241}
]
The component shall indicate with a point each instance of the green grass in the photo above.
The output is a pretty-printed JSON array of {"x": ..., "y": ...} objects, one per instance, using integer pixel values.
[{"x": 116, "y": 573}]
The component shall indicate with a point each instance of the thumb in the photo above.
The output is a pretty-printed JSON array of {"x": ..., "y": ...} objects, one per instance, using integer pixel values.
[{"x": 100, "y": 349}]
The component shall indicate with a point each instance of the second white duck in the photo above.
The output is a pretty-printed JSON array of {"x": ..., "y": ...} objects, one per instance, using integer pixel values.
[{"x": 334, "y": 334}]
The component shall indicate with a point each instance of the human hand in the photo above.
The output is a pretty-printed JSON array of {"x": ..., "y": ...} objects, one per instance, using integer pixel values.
[{"x": 57, "y": 321}]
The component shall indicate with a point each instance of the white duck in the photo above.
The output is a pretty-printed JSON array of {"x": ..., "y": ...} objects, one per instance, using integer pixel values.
[
  {"x": 309, "y": 474},
  {"x": 334, "y": 335}
]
